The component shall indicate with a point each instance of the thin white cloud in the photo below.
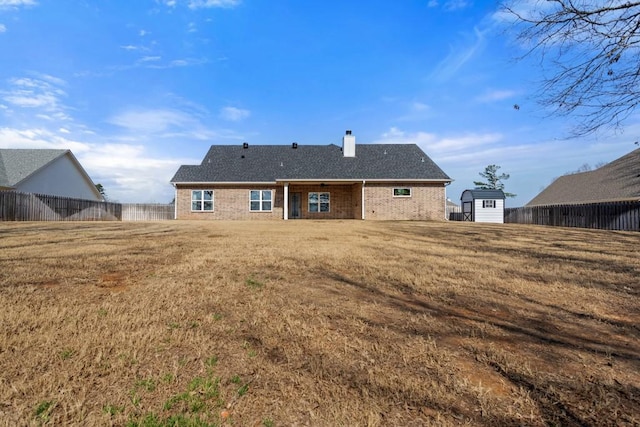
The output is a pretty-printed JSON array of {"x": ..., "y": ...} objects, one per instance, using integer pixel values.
[
  {"x": 150, "y": 58},
  {"x": 144, "y": 125},
  {"x": 16, "y": 3},
  {"x": 452, "y": 5},
  {"x": 176, "y": 63},
  {"x": 38, "y": 138},
  {"x": 234, "y": 114},
  {"x": 130, "y": 174},
  {"x": 179, "y": 63},
  {"x": 201, "y": 4},
  {"x": 449, "y": 146},
  {"x": 3, "y": 28},
  {"x": 151, "y": 121},
  {"x": 415, "y": 111},
  {"x": 458, "y": 57},
  {"x": 198, "y": 4},
  {"x": 42, "y": 92},
  {"x": 526, "y": 8},
  {"x": 495, "y": 95},
  {"x": 419, "y": 106}
]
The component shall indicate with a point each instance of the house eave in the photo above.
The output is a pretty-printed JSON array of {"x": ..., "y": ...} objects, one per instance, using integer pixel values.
[
  {"x": 584, "y": 202},
  {"x": 282, "y": 181},
  {"x": 184, "y": 183}
]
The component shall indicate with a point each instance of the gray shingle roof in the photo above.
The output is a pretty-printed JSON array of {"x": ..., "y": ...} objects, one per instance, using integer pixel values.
[
  {"x": 479, "y": 193},
  {"x": 18, "y": 164},
  {"x": 268, "y": 163},
  {"x": 615, "y": 181}
]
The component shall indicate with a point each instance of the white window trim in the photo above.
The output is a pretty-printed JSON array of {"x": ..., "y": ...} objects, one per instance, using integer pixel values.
[
  {"x": 318, "y": 193},
  {"x": 402, "y": 188},
  {"x": 202, "y": 200},
  {"x": 484, "y": 202},
  {"x": 260, "y": 201}
]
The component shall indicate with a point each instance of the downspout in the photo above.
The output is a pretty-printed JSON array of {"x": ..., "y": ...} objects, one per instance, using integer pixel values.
[
  {"x": 445, "y": 200},
  {"x": 175, "y": 202},
  {"x": 363, "y": 209}
]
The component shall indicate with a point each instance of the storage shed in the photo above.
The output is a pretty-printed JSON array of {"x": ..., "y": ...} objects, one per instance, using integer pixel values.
[{"x": 483, "y": 205}]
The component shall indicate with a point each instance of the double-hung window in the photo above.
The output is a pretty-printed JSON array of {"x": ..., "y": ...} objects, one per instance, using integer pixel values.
[
  {"x": 319, "y": 202},
  {"x": 202, "y": 200},
  {"x": 488, "y": 203},
  {"x": 261, "y": 200}
]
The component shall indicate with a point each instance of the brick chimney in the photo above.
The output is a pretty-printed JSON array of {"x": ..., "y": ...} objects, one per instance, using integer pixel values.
[{"x": 349, "y": 145}]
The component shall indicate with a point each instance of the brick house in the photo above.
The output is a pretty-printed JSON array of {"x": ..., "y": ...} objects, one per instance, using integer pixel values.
[{"x": 274, "y": 182}]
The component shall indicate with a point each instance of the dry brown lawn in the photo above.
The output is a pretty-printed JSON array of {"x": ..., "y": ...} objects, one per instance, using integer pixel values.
[{"x": 333, "y": 323}]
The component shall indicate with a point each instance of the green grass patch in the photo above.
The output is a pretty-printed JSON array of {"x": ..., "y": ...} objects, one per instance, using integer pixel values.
[{"x": 43, "y": 410}]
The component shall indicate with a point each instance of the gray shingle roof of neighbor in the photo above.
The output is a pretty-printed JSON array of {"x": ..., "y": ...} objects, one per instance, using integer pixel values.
[
  {"x": 481, "y": 193},
  {"x": 269, "y": 163},
  {"x": 615, "y": 181},
  {"x": 17, "y": 164}
]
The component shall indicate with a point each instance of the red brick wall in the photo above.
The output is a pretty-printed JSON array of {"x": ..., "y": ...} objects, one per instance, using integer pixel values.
[
  {"x": 229, "y": 203},
  {"x": 426, "y": 202}
]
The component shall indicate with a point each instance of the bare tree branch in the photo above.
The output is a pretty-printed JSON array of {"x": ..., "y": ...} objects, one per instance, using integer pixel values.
[{"x": 590, "y": 56}]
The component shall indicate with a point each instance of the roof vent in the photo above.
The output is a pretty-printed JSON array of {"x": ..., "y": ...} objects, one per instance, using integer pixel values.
[
  {"x": 245, "y": 145},
  {"x": 294, "y": 145}
]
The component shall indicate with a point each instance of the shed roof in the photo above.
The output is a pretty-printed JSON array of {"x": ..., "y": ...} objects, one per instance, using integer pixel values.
[
  {"x": 270, "y": 163},
  {"x": 480, "y": 193},
  {"x": 17, "y": 164},
  {"x": 615, "y": 181}
]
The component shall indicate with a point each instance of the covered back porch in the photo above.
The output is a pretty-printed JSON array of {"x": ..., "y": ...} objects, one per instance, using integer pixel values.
[{"x": 323, "y": 199}]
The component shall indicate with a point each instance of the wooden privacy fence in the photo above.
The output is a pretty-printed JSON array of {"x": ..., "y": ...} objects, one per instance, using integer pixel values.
[
  {"x": 147, "y": 212},
  {"x": 16, "y": 206},
  {"x": 453, "y": 213},
  {"x": 605, "y": 216}
]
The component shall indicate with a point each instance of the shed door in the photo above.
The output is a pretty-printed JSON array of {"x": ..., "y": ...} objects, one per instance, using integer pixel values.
[{"x": 467, "y": 211}]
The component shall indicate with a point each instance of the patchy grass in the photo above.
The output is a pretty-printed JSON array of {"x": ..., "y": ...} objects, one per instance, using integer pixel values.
[{"x": 318, "y": 323}]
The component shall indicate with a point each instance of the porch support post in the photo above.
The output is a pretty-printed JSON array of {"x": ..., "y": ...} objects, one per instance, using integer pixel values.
[
  {"x": 362, "y": 202},
  {"x": 286, "y": 201}
]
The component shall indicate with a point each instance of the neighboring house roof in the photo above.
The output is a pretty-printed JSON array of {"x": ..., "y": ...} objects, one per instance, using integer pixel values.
[
  {"x": 16, "y": 165},
  {"x": 615, "y": 181},
  {"x": 479, "y": 193},
  {"x": 270, "y": 163}
]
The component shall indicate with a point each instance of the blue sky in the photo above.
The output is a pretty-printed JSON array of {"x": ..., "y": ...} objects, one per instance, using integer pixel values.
[{"x": 137, "y": 88}]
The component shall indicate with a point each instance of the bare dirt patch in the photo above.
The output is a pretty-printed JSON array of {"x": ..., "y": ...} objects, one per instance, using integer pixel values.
[{"x": 318, "y": 323}]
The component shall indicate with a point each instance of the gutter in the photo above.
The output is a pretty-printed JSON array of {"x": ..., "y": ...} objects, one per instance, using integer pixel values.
[{"x": 310, "y": 180}]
